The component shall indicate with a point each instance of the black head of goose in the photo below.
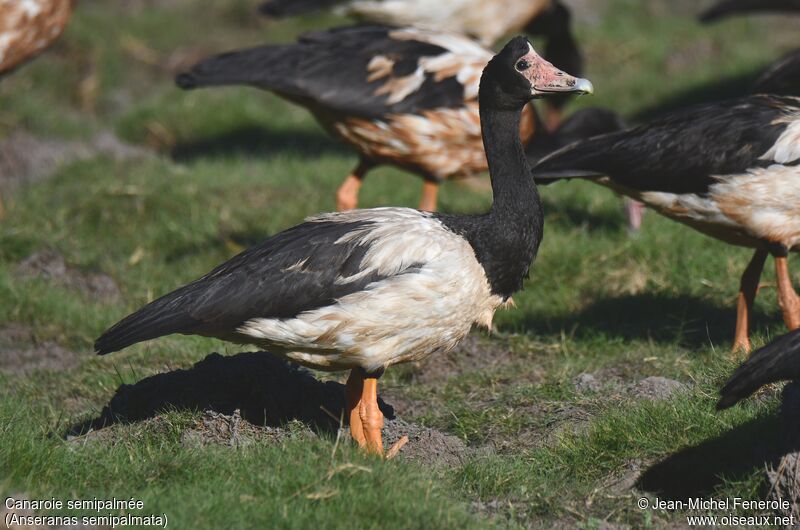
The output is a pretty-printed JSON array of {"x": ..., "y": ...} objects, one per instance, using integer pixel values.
[{"x": 365, "y": 289}]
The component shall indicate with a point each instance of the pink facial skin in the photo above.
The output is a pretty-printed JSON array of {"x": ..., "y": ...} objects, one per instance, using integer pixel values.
[{"x": 544, "y": 77}]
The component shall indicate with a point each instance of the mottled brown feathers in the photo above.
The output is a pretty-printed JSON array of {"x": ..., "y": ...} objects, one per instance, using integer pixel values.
[{"x": 27, "y": 27}]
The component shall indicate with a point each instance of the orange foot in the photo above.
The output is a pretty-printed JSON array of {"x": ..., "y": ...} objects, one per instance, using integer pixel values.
[{"x": 366, "y": 418}]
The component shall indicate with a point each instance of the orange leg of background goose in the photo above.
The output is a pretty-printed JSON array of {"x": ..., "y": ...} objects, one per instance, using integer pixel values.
[
  {"x": 347, "y": 194},
  {"x": 748, "y": 288},
  {"x": 352, "y": 394},
  {"x": 430, "y": 190},
  {"x": 787, "y": 297}
]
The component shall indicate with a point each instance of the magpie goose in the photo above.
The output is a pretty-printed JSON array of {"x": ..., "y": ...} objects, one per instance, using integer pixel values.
[
  {"x": 401, "y": 96},
  {"x": 727, "y": 8},
  {"x": 365, "y": 289},
  {"x": 26, "y": 29},
  {"x": 782, "y": 77},
  {"x": 484, "y": 20},
  {"x": 728, "y": 169}
]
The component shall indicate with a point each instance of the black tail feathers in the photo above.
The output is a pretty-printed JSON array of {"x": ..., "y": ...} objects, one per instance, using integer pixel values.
[
  {"x": 158, "y": 318},
  {"x": 777, "y": 361}
]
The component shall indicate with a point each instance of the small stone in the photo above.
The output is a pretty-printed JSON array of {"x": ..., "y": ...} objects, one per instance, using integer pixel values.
[{"x": 586, "y": 382}]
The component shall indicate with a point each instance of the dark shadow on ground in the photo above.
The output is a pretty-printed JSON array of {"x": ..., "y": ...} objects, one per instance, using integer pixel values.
[
  {"x": 696, "y": 471},
  {"x": 717, "y": 90},
  {"x": 266, "y": 390},
  {"x": 686, "y": 320},
  {"x": 760, "y": 444},
  {"x": 257, "y": 142}
]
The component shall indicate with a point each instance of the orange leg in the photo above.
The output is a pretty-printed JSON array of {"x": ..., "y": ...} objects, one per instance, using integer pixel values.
[
  {"x": 787, "y": 297},
  {"x": 429, "y": 192},
  {"x": 366, "y": 418},
  {"x": 748, "y": 287},
  {"x": 347, "y": 194},
  {"x": 352, "y": 394},
  {"x": 371, "y": 416}
]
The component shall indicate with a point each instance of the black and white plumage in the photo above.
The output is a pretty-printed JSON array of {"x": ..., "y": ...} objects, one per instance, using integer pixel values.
[
  {"x": 728, "y": 169},
  {"x": 483, "y": 20},
  {"x": 777, "y": 361},
  {"x": 400, "y": 96},
  {"x": 727, "y": 8},
  {"x": 369, "y": 288},
  {"x": 365, "y": 288}
]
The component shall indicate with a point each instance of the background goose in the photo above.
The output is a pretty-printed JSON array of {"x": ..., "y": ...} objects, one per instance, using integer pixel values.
[
  {"x": 27, "y": 29},
  {"x": 484, "y": 20},
  {"x": 777, "y": 361},
  {"x": 405, "y": 97},
  {"x": 782, "y": 77},
  {"x": 728, "y": 169},
  {"x": 487, "y": 21},
  {"x": 365, "y": 289},
  {"x": 728, "y": 8}
]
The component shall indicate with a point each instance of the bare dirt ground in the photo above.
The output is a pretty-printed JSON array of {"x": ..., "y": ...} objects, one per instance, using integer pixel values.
[
  {"x": 26, "y": 158},
  {"x": 52, "y": 266},
  {"x": 254, "y": 396},
  {"x": 22, "y": 353}
]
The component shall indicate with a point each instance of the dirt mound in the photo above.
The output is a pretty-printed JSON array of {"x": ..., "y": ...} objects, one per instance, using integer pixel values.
[
  {"x": 25, "y": 158},
  {"x": 474, "y": 354},
  {"x": 657, "y": 388},
  {"x": 613, "y": 379},
  {"x": 255, "y": 396},
  {"x": 51, "y": 265},
  {"x": 783, "y": 475},
  {"x": 425, "y": 446},
  {"x": 22, "y": 353},
  {"x": 214, "y": 428}
]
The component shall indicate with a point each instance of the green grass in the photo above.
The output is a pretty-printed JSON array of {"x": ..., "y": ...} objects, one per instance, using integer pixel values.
[{"x": 231, "y": 166}]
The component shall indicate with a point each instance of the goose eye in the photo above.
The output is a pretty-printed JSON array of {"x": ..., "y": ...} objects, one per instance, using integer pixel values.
[{"x": 522, "y": 65}]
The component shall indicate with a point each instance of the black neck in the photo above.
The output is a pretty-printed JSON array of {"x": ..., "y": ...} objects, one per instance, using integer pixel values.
[
  {"x": 515, "y": 195},
  {"x": 505, "y": 239}
]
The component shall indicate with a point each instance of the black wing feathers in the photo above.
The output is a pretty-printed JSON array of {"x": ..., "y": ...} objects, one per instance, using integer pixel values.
[
  {"x": 777, "y": 361},
  {"x": 680, "y": 152},
  {"x": 329, "y": 69},
  {"x": 580, "y": 125},
  {"x": 291, "y": 272},
  {"x": 290, "y": 8}
]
